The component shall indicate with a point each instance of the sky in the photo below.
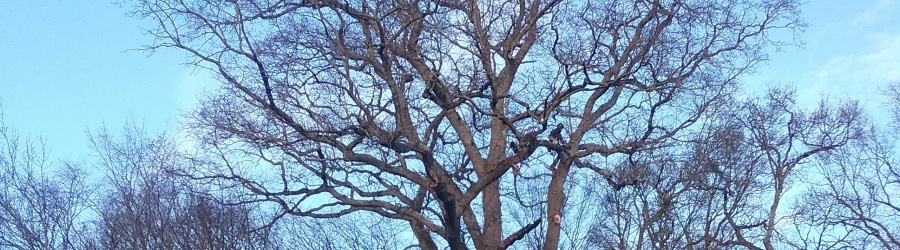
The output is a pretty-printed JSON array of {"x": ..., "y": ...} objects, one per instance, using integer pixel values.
[
  {"x": 69, "y": 67},
  {"x": 851, "y": 49}
]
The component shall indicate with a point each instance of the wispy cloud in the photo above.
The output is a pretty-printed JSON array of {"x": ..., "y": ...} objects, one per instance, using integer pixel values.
[
  {"x": 855, "y": 57},
  {"x": 877, "y": 14},
  {"x": 861, "y": 75},
  {"x": 188, "y": 90},
  {"x": 190, "y": 85}
]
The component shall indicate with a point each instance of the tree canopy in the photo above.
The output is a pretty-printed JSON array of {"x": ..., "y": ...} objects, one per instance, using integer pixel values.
[
  {"x": 437, "y": 113},
  {"x": 464, "y": 124}
]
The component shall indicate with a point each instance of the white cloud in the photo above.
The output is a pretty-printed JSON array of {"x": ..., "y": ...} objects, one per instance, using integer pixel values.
[
  {"x": 860, "y": 75},
  {"x": 876, "y": 14},
  {"x": 188, "y": 89},
  {"x": 851, "y": 57},
  {"x": 190, "y": 85}
]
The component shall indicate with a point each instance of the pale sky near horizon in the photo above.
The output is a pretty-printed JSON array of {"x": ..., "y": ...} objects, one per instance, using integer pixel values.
[{"x": 66, "y": 67}]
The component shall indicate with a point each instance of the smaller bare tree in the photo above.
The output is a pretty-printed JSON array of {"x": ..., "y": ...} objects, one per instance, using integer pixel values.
[
  {"x": 40, "y": 204},
  {"x": 725, "y": 184},
  {"x": 855, "y": 201},
  {"x": 147, "y": 207}
]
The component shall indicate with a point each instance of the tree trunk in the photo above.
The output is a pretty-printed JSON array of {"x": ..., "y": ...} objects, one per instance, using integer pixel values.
[{"x": 556, "y": 198}]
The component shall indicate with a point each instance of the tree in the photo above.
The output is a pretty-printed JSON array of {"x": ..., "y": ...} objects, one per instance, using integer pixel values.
[
  {"x": 145, "y": 206},
  {"x": 353, "y": 231},
  {"x": 418, "y": 111},
  {"x": 854, "y": 200},
  {"x": 41, "y": 205},
  {"x": 724, "y": 185}
]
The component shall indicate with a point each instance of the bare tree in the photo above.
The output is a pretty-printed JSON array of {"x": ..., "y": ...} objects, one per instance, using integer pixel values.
[
  {"x": 725, "y": 185},
  {"x": 41, "y": 205},
  {"x": 853, "y": 202},
  {"x": 355, "y": 231},
  {"x": 781, "y": 140},
  {"x": 432, "y": 112},
  {"x": 146, "y": 207}
]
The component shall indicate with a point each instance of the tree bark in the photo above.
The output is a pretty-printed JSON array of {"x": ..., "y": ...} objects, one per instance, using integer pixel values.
[{"x": 556, "y": 198}]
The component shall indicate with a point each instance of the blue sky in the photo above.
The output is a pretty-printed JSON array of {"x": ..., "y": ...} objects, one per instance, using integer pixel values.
[
  {"x": 851, "y": 50},
  {"x": 69, "y": 66},
  {"x": 66, "y": 67}
]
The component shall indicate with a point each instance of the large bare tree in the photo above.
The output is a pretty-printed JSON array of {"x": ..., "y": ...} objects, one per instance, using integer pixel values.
[{"x": 463, "y": 119}]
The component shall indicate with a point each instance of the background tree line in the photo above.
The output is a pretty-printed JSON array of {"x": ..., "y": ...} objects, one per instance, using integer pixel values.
[{"x": 472, "y": 124}]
